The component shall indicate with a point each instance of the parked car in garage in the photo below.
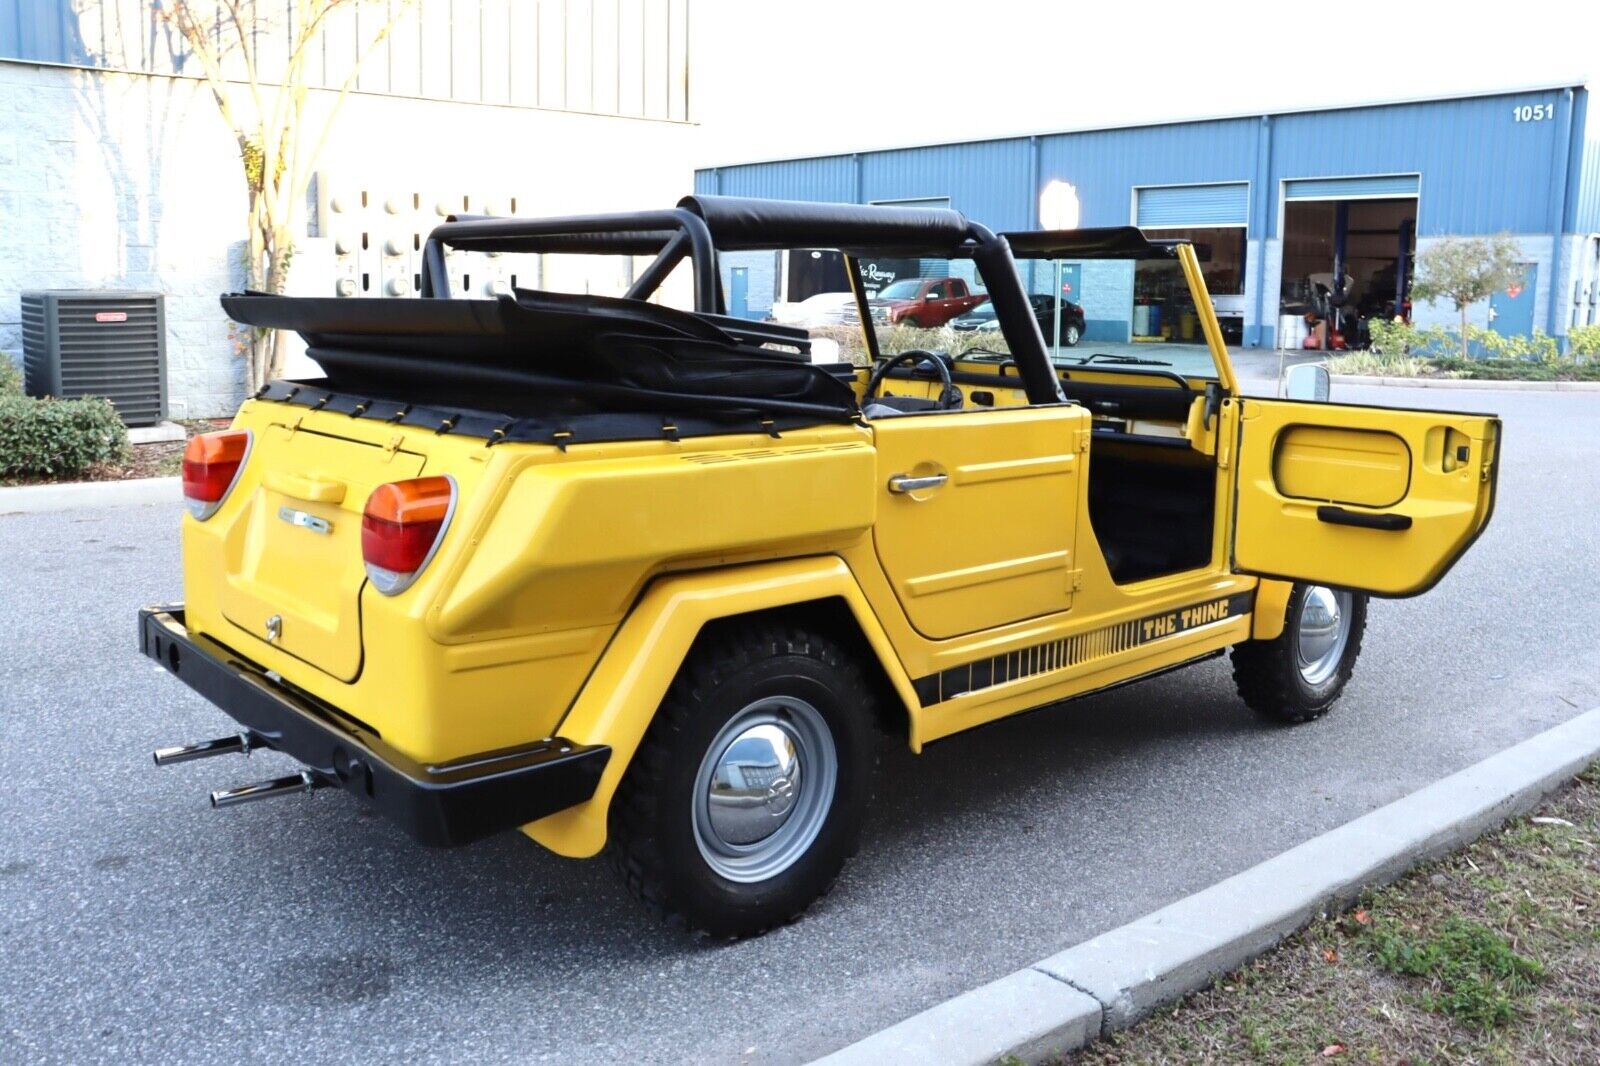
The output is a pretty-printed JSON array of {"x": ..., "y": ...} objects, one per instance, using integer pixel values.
[
  {"x": 927, "y": 303},
  {"x": 983, "y": 317}
]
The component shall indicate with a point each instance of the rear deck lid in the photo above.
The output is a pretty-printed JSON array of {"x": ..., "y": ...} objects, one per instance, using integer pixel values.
[{"x": 294, "y": 568}]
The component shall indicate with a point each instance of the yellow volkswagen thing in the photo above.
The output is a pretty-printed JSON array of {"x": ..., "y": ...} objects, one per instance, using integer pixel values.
[{"x": 652, "y": 581}]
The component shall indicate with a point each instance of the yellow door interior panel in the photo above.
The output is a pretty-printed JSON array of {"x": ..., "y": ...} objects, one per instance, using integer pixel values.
[
  {"x": 1368, "y": 468},
  {"x": 1354, "y": 519},
  {"x": 977, "y": 512}
]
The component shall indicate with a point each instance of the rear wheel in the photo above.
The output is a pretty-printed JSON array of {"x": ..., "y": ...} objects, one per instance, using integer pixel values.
[
  {"x": 748, "y": 792},
  {"x": 1299, "y": 675},
  {"x": 1071, "y": 335}
]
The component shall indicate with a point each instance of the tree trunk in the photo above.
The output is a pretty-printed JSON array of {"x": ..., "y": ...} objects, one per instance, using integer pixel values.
[
  {"x": 1464, "y": 354},
  {"x": 256, "y": 257}
]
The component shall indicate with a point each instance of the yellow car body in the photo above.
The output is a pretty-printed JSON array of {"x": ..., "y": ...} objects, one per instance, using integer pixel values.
[{"x": 572, "y": 580}]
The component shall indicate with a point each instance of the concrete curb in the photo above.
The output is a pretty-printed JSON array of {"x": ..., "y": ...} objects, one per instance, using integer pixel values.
[
  {"x": 1466, "y": 383},
  {"x": 76, "y": 495},
  {"x": 1118, "y": 977}
]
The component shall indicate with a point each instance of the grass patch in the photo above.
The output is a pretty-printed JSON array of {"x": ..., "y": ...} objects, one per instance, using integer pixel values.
[
  {"x": 1475, "y": 976},
  {"x": 1491, "y": 955}
]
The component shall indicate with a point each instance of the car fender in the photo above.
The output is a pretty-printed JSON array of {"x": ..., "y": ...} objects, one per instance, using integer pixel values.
[
  {"x": 1270, "y": 613},
  {"x": 619, "y": 701}
]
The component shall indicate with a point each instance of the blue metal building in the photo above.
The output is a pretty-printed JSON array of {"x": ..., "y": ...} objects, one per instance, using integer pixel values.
[{"x": 1281, "y": 200}]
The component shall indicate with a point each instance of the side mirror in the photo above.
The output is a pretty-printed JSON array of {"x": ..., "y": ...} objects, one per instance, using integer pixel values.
[{"x": 1308, "y": 381}]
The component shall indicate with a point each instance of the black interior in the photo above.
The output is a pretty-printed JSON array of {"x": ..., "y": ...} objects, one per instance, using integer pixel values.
[{"x": 1151, "y": 508}]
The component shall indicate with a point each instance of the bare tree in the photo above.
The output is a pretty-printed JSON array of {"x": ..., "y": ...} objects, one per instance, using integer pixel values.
[
  {"x": 1465, "y": 270},
  {"x": 266, "y": 110}
]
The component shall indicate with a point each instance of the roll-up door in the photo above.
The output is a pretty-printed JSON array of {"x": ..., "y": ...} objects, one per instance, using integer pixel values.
[
  {"x": 1369, "y": 188},
  {"x": 1225, "y": 204}
]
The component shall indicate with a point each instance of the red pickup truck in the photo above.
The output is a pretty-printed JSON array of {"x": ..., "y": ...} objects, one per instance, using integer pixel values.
[{"x": 927, "y": 303}]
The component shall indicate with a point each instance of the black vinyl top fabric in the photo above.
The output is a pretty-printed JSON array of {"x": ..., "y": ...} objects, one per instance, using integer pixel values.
[
  {"x": 1109, "y": 242},
  {"x": 554, "y": 367},
  {"x": 741, "y": 224}
]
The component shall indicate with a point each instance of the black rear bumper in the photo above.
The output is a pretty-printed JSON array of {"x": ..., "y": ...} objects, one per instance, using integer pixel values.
[{"x": 451, "y": 803}]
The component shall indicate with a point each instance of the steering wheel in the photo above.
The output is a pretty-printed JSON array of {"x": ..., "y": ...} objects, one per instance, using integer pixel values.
[{"x": 949, "y": 396}]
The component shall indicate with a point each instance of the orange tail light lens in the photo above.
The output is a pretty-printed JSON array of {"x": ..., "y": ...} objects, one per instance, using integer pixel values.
[
  {"x": 401, "y": 528},
  {"x": 211, "y": 465}
]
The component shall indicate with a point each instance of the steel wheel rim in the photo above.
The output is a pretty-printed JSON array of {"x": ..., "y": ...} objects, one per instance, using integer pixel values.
[
  {"x": 764, "y": 789},
  {"x": 1072, "y": 336},
  {"x": 1321, "y": 633}
]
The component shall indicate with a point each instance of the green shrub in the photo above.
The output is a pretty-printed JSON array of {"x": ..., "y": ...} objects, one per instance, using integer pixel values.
[
  {"x": 10, "y": 376},
  {"x": 1583, "y": 342},
  {"x": 56, "y": 439},
  {"x": 1376, "y": 363}
]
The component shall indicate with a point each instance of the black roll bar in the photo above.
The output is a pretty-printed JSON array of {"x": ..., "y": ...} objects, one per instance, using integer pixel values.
[
  {"x": 992, "y": 255},
  {"x": 667, "y": 235}
]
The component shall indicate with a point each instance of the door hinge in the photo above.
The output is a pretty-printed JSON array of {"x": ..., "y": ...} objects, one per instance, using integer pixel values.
[
  {"x": 1084, "y": 437},
  {"x": 1486, "y": 472},
  {"x": 392, "y": 447},
  {"x": 1075, "y": 580}
]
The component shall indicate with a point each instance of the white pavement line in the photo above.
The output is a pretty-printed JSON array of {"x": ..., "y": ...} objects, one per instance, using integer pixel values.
[
  {"x": 1171, "y": 952},
  {"x": 1469, "y": 383},
  {"x": 77, "y": 495}
]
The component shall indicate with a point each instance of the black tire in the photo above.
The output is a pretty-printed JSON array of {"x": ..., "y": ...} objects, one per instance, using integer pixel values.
[
  {"x": 1268, "y": 673},
  {"x": 1071, "y": 335},
  {"x": 655, "y": 842}
]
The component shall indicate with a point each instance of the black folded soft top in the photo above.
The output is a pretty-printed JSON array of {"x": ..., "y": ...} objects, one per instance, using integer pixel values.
[{"x": 553, "y": 366}]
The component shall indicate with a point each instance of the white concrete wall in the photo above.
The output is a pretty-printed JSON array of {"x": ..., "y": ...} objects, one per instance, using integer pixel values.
[{"x": 128, "y": 181}]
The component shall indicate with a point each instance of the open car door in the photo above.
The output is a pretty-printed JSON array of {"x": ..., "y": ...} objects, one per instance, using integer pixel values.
[{"x": 1371, "y": 498}]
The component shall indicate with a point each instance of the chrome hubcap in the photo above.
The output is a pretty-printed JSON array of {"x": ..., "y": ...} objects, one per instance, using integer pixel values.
[
  {"x": 1322, "y": 632},
  {"x": 764, "y": 789}
]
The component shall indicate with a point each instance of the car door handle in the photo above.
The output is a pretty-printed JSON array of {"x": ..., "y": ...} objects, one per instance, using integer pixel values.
[
  {"x": 903, "y": 483},
  {"x": 1338, "y": 516}
]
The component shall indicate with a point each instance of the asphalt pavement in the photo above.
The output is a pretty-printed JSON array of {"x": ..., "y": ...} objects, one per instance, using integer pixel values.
[{"x": 141, "y": 926}]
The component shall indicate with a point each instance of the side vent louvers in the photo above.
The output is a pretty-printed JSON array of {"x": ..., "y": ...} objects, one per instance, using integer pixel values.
[{"x": 98, "y": 343}]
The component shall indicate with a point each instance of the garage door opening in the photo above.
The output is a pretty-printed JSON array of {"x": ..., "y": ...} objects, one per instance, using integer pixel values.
[{"x": 1345, "y": 263}]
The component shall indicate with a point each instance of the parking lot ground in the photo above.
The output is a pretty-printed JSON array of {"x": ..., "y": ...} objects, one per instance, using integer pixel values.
[{"x": 139, "y": 925}]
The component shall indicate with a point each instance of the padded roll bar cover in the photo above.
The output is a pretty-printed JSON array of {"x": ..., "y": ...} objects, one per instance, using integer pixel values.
[{"x": 739, "y": 223}]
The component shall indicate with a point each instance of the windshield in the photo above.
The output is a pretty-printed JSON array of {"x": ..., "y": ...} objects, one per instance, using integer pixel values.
[
  {"x": 900, "y": 290},
  {"x": 1113, "y": 313}
]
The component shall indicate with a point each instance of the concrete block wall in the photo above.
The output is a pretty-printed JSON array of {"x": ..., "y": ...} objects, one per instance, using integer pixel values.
[
  {"x": 130, "y": 181},
  {"x": 1539, "y": 249},
  {"x": 99, "y": 188}
]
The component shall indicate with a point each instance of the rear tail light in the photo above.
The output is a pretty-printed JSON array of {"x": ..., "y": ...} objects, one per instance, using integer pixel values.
[
  {"x": 211, "y": 465},
  {"x": 401, "y": 528}
]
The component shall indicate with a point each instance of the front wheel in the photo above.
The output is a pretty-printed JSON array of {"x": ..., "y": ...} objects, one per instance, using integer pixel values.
[
  {"x": 1300, "y": 674},
  {"x": 748, "y": 792}
]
